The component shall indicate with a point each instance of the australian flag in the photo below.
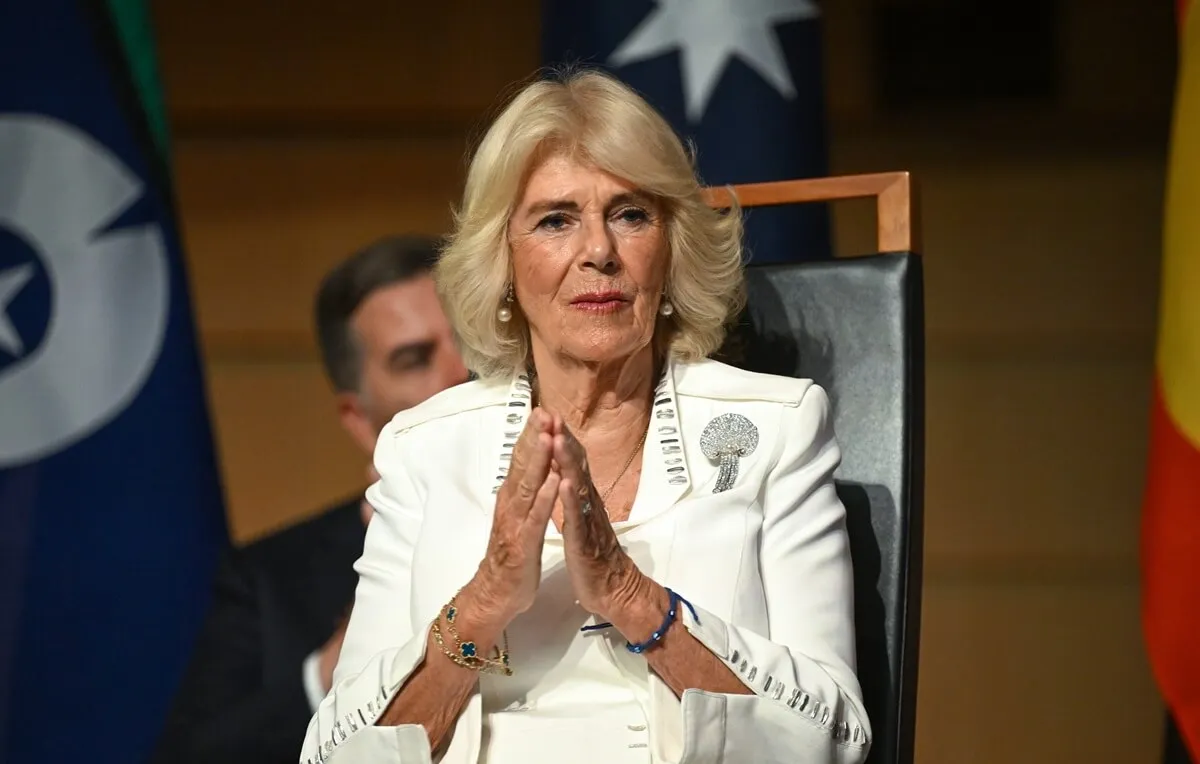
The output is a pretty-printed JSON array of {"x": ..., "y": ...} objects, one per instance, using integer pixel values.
[
  {"x": 741, "y": 78},
  {"x": 110, "y": 507}
]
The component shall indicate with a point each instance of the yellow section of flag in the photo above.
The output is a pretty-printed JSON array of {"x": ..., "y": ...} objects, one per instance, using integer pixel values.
[{"x": 1179, "y": 311}]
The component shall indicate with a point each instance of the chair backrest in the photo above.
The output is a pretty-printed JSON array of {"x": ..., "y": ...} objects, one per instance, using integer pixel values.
[{"x": 856, "y": 326}]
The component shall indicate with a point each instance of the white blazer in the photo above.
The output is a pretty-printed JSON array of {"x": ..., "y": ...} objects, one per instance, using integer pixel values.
[{"x": 766, "y": 563}]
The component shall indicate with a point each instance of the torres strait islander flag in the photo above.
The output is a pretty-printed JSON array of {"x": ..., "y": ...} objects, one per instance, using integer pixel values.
[
  {"x": 1171, "y": 515},
  {"x": 111, "y": 508}
]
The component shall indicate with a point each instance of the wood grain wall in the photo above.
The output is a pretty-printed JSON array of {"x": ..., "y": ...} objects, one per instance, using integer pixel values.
[{"x": 300, "y": 135}]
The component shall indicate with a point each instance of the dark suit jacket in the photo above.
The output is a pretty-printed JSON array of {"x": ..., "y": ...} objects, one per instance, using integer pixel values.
[{"x": 275, "y": 602}]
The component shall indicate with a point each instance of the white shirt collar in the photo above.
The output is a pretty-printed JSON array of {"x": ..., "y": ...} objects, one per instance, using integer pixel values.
[{"x": 665, "y": 476}]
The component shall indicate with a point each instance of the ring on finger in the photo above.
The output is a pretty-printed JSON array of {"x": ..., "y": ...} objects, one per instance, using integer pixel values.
[{"x": 585, "y": 501}]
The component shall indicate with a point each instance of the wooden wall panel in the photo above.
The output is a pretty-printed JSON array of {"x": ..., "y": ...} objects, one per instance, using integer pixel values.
[
  {"x": 1139, "y": 80},
  {"x": 1062, "y": 249},
  {"x": 849, "y": 58},
  {"x": 1026, "y": 251},
  {"x": 1035, "y": 464},
  {"x": 283, "y": 453},
  {"x": 313, "y": 60},
  {"x": 265, "y": 219},
  {"x": 1034, "y": 673}
]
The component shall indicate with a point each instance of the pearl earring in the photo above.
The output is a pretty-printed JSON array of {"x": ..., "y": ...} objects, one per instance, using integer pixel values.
[
  {"x": 504, "y": 314},
  {"x": 665, "y": 308}
]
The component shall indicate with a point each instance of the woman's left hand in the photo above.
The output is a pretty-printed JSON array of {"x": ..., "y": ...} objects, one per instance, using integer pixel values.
[{"x": 602, "y": 574}]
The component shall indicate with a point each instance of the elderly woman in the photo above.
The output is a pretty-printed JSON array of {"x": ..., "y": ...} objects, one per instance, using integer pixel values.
[{"x": 607, "y": 548}]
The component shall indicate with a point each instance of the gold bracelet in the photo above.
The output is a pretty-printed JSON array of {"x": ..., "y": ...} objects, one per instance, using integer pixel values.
[{"x": 465, "y": 654}]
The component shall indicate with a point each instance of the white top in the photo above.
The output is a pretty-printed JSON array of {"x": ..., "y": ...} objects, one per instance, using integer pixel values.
[
  {"x": 310, "y": 674},
  {"x": 566, "y": 685},
  {"x": 764, "y": 558}
]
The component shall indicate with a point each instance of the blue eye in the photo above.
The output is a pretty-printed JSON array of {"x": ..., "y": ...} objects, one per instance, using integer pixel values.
[
  {"x": 633, "y": 215},
  {"x": 553, "y": 222}
]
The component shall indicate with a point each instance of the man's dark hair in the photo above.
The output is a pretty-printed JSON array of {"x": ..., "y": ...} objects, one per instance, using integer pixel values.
[{"x": 390, "y": 260}]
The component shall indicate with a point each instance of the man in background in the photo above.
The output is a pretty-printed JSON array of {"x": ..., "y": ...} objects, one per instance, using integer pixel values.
[{"x": 266, "y": 654}]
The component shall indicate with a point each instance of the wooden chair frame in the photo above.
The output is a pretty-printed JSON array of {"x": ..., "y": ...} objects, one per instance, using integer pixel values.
[{"x": 897, "y": 209}]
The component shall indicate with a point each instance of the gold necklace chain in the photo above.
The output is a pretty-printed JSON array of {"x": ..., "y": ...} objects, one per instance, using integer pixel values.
[
  {"x": 534, "y": 400},
  {"x": 621, "y": 474}
]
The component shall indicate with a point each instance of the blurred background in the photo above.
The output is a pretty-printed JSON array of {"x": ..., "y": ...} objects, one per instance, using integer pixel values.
[
  {"x": 1037, "y": 130},
  {"x": 1038, "y": 133}
]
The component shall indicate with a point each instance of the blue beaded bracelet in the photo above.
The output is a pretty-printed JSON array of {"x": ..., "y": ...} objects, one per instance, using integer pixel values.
[{"x": 656, "y": 637}]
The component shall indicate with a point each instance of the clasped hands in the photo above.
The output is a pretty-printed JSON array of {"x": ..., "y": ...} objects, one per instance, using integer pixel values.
[{"x": 549, "y": 465}]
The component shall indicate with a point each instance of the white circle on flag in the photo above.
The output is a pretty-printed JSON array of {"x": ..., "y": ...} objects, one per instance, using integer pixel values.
[{"x": 59, "y": 189}]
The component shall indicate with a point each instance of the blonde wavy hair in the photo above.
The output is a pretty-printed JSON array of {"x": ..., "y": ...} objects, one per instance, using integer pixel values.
[{"x": 600, "y": 121}]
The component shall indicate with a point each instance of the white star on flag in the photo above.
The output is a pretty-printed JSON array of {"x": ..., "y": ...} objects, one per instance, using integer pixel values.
[
  {"x": 708, "y": 33},
  {"x": 12, "y": 281}
]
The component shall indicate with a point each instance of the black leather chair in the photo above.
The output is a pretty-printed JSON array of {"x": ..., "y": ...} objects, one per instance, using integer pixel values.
[{"x": 855, "y": 325}]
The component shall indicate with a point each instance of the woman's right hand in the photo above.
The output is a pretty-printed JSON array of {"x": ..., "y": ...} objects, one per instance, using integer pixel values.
[{"x": 511, "y": 569}]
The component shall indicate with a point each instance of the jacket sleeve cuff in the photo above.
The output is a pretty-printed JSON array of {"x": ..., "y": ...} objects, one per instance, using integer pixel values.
[
  {"x": 750, "y": 728},
  {"x": 395, "y": 745},
  {"x": 793, "y": 698},
  {"x": 343, "y": 729}
]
